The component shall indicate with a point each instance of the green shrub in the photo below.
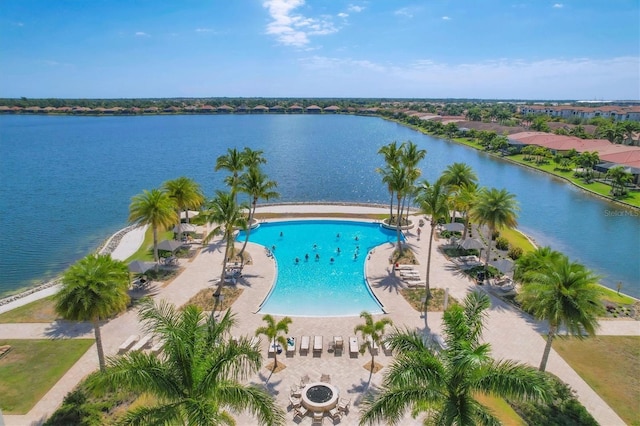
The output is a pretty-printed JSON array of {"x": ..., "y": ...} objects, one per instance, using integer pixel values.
[
  {"x": 495, "y": 234},
  {"x": 502, "y": 243},
  {"x": 563, "y": 409},
  {"x": 515, "y": 253}
]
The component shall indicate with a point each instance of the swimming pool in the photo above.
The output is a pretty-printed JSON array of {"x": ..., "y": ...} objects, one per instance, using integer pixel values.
[{"x": 328, "y": 277}]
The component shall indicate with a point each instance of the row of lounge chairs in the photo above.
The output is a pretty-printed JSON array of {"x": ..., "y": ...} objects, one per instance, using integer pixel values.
[
  {"x": 136, "y": 343},
  {"x": 336, "y": 345},
  {"x": 467, "y": 262}
]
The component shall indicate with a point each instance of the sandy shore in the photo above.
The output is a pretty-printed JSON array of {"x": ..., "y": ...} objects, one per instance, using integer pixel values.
[{"x": 512, "y": 334}]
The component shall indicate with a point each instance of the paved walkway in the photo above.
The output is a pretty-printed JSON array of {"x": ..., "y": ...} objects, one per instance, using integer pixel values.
[{"x": 512, "y": 334}]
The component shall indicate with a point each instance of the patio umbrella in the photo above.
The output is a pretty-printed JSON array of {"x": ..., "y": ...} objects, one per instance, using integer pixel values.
[
  {"x": 470, "y": 244},
  {"x": 169, "y": 245},
  {"x": 140, "y": 267},
  {"x": 503, "y": 265},
  {"x": 192, "y": 214},
  {"x": 453, "y": 227}
]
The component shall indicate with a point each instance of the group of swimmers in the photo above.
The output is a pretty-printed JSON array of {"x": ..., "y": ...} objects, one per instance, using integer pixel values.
[{"x": 315, "y": 247}]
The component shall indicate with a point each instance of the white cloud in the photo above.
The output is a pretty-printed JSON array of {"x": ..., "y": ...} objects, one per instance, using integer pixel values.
[
  {"x": 203, "y": 30},
  {"x": 141, "y": 34},
  {"x": 446, "y": 18},
  {"x": 554, "y": 78},
  {"x": 404, "y": 12},
  {"x": 558, "y": 6},
  {"x": 355, "y": 8},
  {"x": 294, "y": 29},
  {"x": 343, "y": 15}
]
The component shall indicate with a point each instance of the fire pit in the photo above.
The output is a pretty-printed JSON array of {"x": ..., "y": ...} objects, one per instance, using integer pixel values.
[{"x": 319, "y": 396}]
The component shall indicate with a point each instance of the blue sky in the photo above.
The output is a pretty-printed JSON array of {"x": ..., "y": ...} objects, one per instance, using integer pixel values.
[{"x": 535, "y": 49}]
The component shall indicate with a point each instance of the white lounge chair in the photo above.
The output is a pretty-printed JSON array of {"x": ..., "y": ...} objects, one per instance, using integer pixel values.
[
  {"x": 155, "y": 349},
  {"x": 386, "y": 347},
  {"x": 317, "y": 344},
  {"x": 142, "y": 343},
  {"x": 353, "y": 346},
  {"x": 127, "y": 344},
  {"x": 304, "y": 344},
  {"x": 405, "y": 268},
  {"x": 338, "y": 343},
  {"x": 274, "y": 347},
  {"x": 415, "y": 283},
  {"x": 291, "y": 345}
]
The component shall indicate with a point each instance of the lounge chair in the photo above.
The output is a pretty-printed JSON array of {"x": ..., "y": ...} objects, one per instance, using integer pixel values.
[
  {"x": 142, "y": 343},
  {"x": 335, "y": 415},
  {"x": 353, "y": 346},
  {"x": 304, "y": 345},
  {"x": 325, "y": 378},
  {"x": 386, "y": 347},
  {"x": 405, "y": 268},
  {"x": 338, "y": 343},
  {"x": 155, "y": 349},
  {"x": 291, "y": 346},
  {"x": 318, "y": 418},
  {"x": 414, "y": 284},
  {"x": 127, "y": 344},
  {"x": 317, "y": 344},
  {"x": 409, "y": 273},
  {"x": 304, "y": 381},
  {"x": 274, "y": 348}
]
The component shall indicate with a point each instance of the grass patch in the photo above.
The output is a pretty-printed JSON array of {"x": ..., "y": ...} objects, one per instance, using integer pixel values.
[
  {"x": 501, "y": 409},
  {"x": 39, "y": 311},
  {"x": 204, "y": 298},
  {"x": 32, "y": 367},
  {"x": 611, "y": 366},
  {"x": 613, "y": 296},
  {"x": 517, "y": 239},
  {"x": 145, "y": 252},
  {"x": 436, "y": 304}
]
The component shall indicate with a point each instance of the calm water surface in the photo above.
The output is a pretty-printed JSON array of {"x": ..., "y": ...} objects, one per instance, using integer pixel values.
[
  {"x": 67, "y": 182},
  {"x": 320, "y": 266}
]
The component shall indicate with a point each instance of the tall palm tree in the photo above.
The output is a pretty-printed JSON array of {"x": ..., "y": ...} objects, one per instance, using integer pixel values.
[
  {"x": 371, "y": 332},
  {"x": 93, "y": 289},
  {"x": 198, "y": 379},
  {"x": 234, "y": 163},
  {"x": 257, "y": 185},
  {"x": 565, "y": 294},
  {"x": 273, "y": 332},
  {"x": 434, "y": 202},
  {"x": 466, "y": 199},
  {"x": 156, "y": 209},
  {"x": 391, "y": 154},
  {"x": 443, "y": 384},
  {"x": 228, "y": 216},
  {"x": 399, "y": 182},
  {"x": 457, "y": 175},
  {"x": 410, "y": 157},
  {"x": 185, "y": 193},
  {"x": 496, "y": 209}
]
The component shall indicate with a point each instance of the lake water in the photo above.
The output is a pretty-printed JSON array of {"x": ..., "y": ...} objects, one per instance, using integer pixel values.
[{"x": 67, "y": 182}]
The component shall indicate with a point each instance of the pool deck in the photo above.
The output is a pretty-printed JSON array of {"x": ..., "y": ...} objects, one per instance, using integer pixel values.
[{"x": 512, "y": 334}]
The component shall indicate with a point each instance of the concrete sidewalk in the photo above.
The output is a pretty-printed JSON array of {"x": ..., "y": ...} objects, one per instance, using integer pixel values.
[{"x": 512, "y": 334}]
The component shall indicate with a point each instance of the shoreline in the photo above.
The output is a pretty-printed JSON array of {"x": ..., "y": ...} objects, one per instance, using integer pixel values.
[
  {"x": 112, "y": 243},
  {"x": 108, "y": 246}
]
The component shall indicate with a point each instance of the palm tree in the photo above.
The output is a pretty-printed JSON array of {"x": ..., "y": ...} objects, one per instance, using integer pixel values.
[
  {"x": 443, "y": 384},
  {"x": 371, "y": 332},
  {"x": 391, "y": 154},
  {"x": 234, "y": 163},
  {"x": 252, "y": 158},
  {"x": 256, "y": 185},
  {"x": 399, "y": 183},
  {"x": 156, "y": 209},
  {"x": 496, "y": 209},
  {"x": 457, "y": 175},
  {"x": 433, "y": 201},
  {"x": 535, "y": 260},
  {"x": 199, "y": 376},
  {"x": 224, "y": 212},
  {"x": 185, "y": 193},
  {"x": 565, "y": 294},
  {"x": 93, "y": 289},
  {"x": 272, "y": 331},
  {"x": 619, "y": 178},
  {"x": 466, "y": 199},
  {"x": 409, "y": 158}
]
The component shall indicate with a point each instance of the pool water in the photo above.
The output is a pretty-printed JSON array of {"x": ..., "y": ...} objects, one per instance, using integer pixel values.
[{"x": 328, "y": 277}]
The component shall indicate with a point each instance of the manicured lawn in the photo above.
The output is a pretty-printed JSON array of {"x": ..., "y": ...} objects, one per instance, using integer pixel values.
[
  {"x": 611, "y": 366},
  {"x": 517, "y": 239},
  {"x": 42, "y": 310},
  {"x": 501, "y": 409},
  {"x": 32, "y": 367},
  {"x": 145, "y": 252}
]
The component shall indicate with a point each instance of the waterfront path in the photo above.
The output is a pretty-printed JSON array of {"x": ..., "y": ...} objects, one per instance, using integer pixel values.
[{"x": 512, "y": 334}]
